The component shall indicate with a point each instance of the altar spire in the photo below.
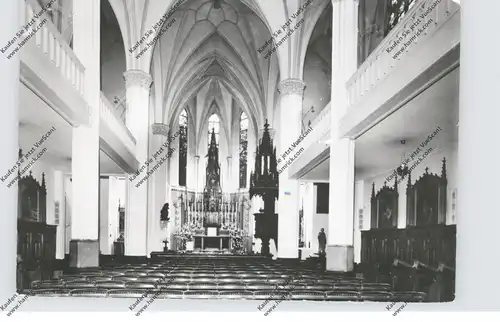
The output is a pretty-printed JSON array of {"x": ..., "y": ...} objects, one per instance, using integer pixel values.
[
  {"x": 213, "y": 167},
  {"x": 213, "y": 192}
]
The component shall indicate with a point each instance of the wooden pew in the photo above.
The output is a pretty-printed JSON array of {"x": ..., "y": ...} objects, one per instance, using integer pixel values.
[
  {"x": 446, "y": 277},
  {"x": 426, "y": 281},
  {"x": 438, "y": 282},
  {"x": 403, "y": 276}
]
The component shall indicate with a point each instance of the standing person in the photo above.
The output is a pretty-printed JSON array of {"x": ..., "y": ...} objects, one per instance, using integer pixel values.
[{"x": 322, "y": 242}]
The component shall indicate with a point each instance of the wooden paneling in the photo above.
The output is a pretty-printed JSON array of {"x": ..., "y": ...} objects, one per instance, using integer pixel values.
[
  {"x": 428, "y": 244},
  {"x": 384, "y": 206},
  {"x": 36, "y": 241},
  {"x": 36, "y": 250}
]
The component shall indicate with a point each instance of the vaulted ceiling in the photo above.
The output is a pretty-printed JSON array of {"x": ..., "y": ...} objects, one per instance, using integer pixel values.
[
  {"x": 207, "y": 57},
  {"x": 208, "y": 60}
]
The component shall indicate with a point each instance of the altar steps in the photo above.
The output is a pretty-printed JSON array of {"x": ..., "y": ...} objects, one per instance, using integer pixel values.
[{"x": 221, "y": 278}]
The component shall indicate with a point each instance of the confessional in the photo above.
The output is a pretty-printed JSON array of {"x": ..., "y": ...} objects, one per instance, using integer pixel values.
[
  {"x": 36, "y": 241},
  {"x": 417, "y": 251}
]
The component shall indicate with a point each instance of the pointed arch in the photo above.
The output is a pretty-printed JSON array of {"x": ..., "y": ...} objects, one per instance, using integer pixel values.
[
  {"x": 209, "y": 108},
  {"x": 214, "y": 125}
]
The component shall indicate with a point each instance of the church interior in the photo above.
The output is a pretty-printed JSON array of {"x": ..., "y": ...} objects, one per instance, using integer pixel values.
[{"x": 196, "y": 148}]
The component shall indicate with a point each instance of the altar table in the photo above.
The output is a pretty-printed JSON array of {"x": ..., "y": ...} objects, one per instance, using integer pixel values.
[{"x": 204, "y": 241}]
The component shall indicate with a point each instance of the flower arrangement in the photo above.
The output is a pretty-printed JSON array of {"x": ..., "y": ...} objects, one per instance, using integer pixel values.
[
  {"x": 186, "y": 232},
  {"x": 236, "y": 237}
]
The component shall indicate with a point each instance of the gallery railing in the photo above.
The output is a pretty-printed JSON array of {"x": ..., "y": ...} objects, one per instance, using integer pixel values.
[
  {"x": 408, "y": 25},
  {"x": 109, "y": 115},
  {"x": 51, "y": 43}
]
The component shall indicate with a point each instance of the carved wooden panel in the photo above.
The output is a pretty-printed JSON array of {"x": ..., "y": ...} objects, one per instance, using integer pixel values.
[
  {"x": 384, "y": 206},
  {"x": 426, "y": 199},
  {"x": 32, "y": 199},
  {"x": 430, "y": 245}
]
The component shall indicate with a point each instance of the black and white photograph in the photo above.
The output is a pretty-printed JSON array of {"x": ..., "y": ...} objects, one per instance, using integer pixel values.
[{"x": 235, "y": 150}]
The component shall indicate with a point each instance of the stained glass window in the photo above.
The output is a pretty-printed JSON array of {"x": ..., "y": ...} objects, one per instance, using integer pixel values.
[
  {"x": 243, "y": 149},
  {"x": 213, "y": 124},
  {"x": 183, "y": 147}
]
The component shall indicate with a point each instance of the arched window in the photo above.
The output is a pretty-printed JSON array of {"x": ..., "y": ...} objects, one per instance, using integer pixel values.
[
  {"x": 183, "y": 147},
  {"x": 243, "y": 149},
  {"x": 213, "y": 124}
]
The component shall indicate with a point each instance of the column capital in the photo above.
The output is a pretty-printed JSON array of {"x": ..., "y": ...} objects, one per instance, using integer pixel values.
[
  {"x": 160, "y": 129},
  {"x": 137, "y": 77},
  {"x": 291, "y": 86}
]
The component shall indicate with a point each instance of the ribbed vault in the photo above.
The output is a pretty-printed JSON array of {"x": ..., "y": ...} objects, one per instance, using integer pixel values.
[
  {"x": 213, "y": 60},
  {"x": 214, "y": 44}
]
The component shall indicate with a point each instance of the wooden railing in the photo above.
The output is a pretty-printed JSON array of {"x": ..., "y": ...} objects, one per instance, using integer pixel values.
[
  {"x": 382, "y": 60},
  {"x": 50, "y": 43},
  {"x": 109, "y": 115}
]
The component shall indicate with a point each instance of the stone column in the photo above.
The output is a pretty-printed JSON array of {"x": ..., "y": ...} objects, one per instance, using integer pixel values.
[
  {"x": 59, "y": 213},
  {"x": 116, "y": 196},
  {"x": 68, "y": 206},
  {"x": 309, "y": 211},
  {"x": 291, "y": 93},
  {"x": 160, "y": 156},
  {"x": 138, "y": 85},
  {"x": 104, "y": 189},
  {"x": 340, "y": 250},
  {"x": 84, "y": 245}
]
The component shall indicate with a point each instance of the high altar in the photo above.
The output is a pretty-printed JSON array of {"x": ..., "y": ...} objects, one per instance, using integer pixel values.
[{"x": 217, "y": 221}]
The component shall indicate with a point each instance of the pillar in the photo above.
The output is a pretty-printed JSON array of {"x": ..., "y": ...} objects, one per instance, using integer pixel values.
[
  {"x": 138, "y": 85},
  {"x": 9, "y": 129},
  {"x": 59, "y": 213},
  {"x": 68, "y": 206},
  {"x": 84, "y": 244},
  {"x": 340, "y": 242},
  {"x": 157, "y": 234},
  {"x": 309, "y": 211},
  {"x": 104, "y": 214},
  {"x": 291, "y": 93},
  {"x": 116, "y": 197}
]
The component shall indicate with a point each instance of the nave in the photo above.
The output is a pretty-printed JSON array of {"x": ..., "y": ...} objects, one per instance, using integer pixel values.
[
  {"x": 385, "y": 203},
  {"x": 219, "y": 277}
]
